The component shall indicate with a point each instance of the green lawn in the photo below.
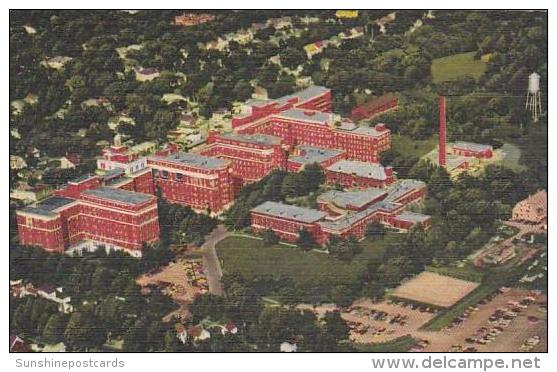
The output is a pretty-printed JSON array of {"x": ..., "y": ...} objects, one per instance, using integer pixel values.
[
  {"x": 512, "y": 157},
  {"x": 467, "y": 272},
  {"x": 456, "y": 66},
  {"x": 311, "y": 271},
  {"x": 398, "y": 345},
  {"x": 411, "y": 147}
]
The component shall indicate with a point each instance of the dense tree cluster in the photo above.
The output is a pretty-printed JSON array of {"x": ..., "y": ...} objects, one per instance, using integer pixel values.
[
  {"x": 277, "y": 186},
  {"x": 182, "y": 225},
  {"x": 107, "y": 301},
  {"x": 263, "y": 328}
]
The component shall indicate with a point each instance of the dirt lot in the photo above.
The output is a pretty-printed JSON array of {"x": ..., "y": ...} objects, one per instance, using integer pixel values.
[
  {"x": 432, "y": 288},
  {"x": 510, "y": 340},
  {"x": 176, "y": 281}
]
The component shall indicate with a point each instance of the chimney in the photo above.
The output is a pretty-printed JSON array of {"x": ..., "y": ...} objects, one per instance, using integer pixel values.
[
  {"x": 442, "y": 132},
  {"x": 389, "y": 171}
]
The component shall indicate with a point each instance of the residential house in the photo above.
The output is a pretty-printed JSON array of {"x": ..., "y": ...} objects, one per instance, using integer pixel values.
[
  {"x": 17, "y": 162},
  {"x": 57, "y": 62},
  {"x": 287, "y": 347},
  {"x": 17, "y": 345},
  {"x": 49, "y": 348},
  {"x": 29, "y": 194},
  {"x": 146, "y": 74},
  {"x": 181, "y": 332},
  {"x": 198, "y": 333},
  {"x": 229, "y": 327}
]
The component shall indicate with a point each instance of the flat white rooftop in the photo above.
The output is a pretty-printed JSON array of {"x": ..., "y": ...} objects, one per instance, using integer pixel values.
[{"x": 434, "y": 289}]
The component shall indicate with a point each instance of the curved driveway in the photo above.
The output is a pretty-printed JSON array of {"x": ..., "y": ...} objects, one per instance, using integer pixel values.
[{"x": 211, "y": 262}]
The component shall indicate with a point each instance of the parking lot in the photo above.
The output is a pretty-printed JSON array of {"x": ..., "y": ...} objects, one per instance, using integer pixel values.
[
  {"x": 513, "y": 331},
  {"x": 504, "y": 322},
  {"x": 383, "y": 321}
]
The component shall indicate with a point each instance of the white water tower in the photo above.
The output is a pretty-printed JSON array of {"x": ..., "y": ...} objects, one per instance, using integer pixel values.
[{"x": 533, "y": 101}]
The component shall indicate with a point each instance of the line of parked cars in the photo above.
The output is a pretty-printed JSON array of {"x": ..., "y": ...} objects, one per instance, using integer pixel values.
[
  {"x": 418, "y": 307},
  {"x": 379, "y": 315},
  {"x": 530, "y": 343},
  {"x": 471, "y": 309},
  {"x": 499, "y": 320}
]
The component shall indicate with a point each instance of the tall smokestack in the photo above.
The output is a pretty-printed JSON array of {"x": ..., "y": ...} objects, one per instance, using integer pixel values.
[{"x": 442, "y": 132}]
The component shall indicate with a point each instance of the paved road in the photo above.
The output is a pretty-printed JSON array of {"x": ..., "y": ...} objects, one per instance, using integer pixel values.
[
  {"x": 523, "y": 229},
  {"x": 211, "y": 261}
]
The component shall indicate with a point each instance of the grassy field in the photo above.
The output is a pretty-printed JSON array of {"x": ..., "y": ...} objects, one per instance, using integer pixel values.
[
  {"x": 399, "y": 345},
  {"x": 467, "y": 272},
  {"x": 411, "y": 147},
  {"x": 512, "y": 157},
  {"x": 455, "y": 66},
  {"x": 311, "y": 271}
]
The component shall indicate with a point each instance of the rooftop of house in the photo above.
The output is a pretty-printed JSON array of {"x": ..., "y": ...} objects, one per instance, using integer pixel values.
[
  {"x": 454, "y": 161},
  {"x": 256, "y": 102},
  {"x": 82, "y": 178},
  {"x": 470, "y": 146},
  {"x": 310, "y": 154},
  {"x": 356, "y": 198},
  {"x": 117, "y": 195},
  {"x": 378, "y": 101},
  {"x": 118, "y": 181},
  {"x": 351, "y": 218},
  {"x": 193, "y": 160},
  {"x": 148, "y": 70},
  {"x": 365, "y": 131},
  {"x": 359, "y": 168},
  {"x": 412, "y": 217},
  {"x": 258, "y": 139},
  {"x": 290, "y": 212},
  {"x": 112, "y": 174},
  {"x": 402, "y": 187},
  {"x": 307, "y": 115},
  {"x": 47, "y": 288},
  {"x": 310, "y": 92},
  {"x": 48, "y": 207}
]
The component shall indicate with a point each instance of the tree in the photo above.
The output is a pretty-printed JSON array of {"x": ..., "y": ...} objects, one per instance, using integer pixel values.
[
  {"x": 343, "y": 249},
  {"x": 283, "y": 86},
  {"x": 440, "y": 181},
  {"x": 375, "y": 230},
  {"x": 312, "y": 176},
  {"x": 171, "y": 343},
  {"x": 269, "y": 237},
  {"x": 84, "y": 331},
  {"x": 101, "y": 279},
  {"x": 242, "y": 90},
  {"x": 305, "y": 240},
  {"x": 292, "y": 185},
  {"x": 54, "y": 329},
  {"x": 135, "y": 337},
  {"x": 292, "y": 58},
  {"x": 341, "y": 295},
  {"x": 336, "y": 326}
]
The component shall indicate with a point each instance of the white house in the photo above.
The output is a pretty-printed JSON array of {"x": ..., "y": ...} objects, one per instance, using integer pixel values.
[
  {"x": 17, "y": 162},
  {"x": 229, "y": 327},
  {"x": 287, "y": 347}
]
